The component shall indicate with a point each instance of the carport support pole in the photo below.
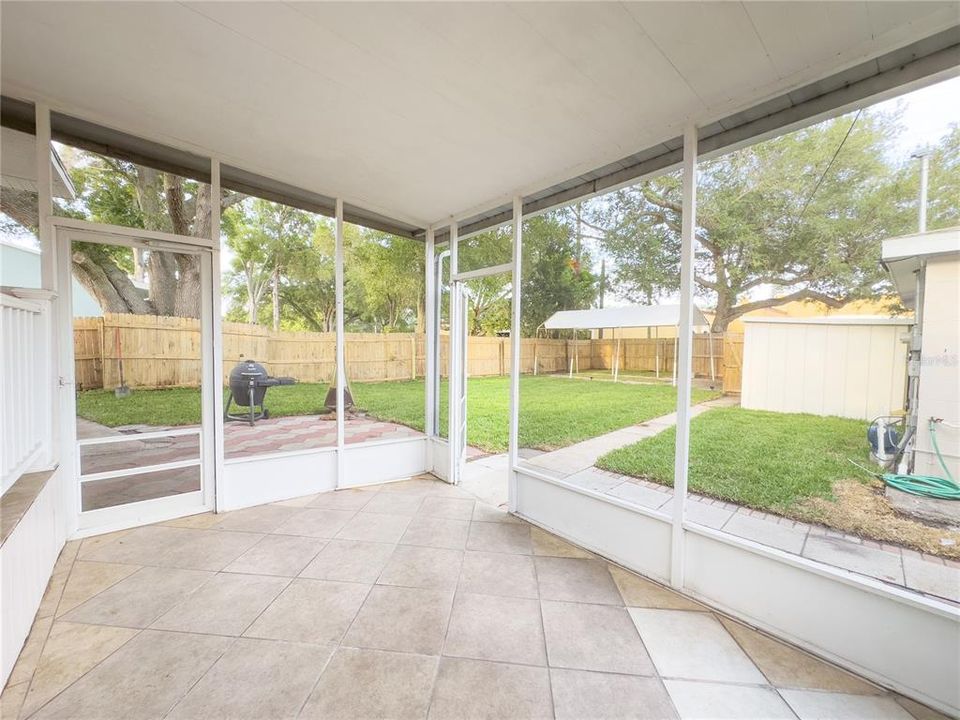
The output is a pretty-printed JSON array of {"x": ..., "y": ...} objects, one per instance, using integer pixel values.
[
  {"x": 616, "y": 360},
  {"x": 513, "y": 448},
  {"x": 685, "y": 359},
  {"x": 657, "y": 349},
  {"x": 341, "y": 364}
]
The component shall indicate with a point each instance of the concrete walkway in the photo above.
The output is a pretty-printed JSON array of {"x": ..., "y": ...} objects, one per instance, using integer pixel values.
[
  {"x": 926, "y": 574},
  {"x": 583, "y": 455}
]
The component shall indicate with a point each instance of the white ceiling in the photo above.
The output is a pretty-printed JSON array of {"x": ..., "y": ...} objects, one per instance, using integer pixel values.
[{"x": 422, "y": 111}]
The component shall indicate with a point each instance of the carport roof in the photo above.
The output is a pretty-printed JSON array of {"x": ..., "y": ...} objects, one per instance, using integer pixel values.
[
  {"x": 416, "y": 113},
  {"x": 628, "y": 316}
]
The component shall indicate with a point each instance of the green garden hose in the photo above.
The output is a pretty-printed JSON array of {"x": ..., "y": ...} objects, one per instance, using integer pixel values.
[{"x": 927, "y": 485}]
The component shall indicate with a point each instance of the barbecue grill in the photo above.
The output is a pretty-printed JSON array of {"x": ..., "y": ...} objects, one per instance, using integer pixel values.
[{"x": 249, "y": 382}]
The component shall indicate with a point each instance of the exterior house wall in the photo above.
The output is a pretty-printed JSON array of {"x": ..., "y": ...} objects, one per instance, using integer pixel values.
[
  {"x": 849, "y": 367},
  {"x": 20, "y": 267},
  {"x": 940, "y": 368}
]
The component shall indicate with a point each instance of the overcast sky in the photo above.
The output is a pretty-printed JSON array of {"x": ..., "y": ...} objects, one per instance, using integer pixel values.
[{"x": 928, "y": 114}]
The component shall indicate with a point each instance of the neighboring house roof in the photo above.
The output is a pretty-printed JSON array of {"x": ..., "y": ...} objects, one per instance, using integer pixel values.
[
  {"x": 629, "y": 316},
  {"x": 18, "y": 165},
  {"x": 903, "y": 257}
]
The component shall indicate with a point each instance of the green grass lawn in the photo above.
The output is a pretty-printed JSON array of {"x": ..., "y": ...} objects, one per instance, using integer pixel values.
[
  {"x": 554, "y": 411},
  {"x": 765, "y": 460}
]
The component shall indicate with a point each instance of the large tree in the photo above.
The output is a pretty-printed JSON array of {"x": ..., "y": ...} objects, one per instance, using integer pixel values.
[
  {"x": 265, "y": 239},
  {"x": 556, "y": 274},
  {"x": 556, "y": 271},
  {"x": 488, "y": 298},
  {"x": 122, "y": 193},
  {"x": 384, "y": 283},
  {"x": 799, "y": 217}
]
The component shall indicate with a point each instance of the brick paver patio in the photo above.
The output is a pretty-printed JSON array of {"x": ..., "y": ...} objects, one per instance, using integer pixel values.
[{"x": 274, "y": 435}]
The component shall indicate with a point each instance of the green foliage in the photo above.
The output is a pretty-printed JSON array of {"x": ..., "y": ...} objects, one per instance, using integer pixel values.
[
  {"x": 765, "y": 460},
  {"x": 555, "y": 277},
  {"x": 384, "y": 285},
  {"x": 266, "y": 240},
  {"x": 783, "y": 215},
  {"x": 105, "y": 191},
  {"x": 943, "y": 209},
  {"x": 489, "y": 311}
]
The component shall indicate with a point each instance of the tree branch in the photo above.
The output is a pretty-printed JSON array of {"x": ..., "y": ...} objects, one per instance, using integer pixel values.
[
  {"x": 227, "y": 199},
  {"x": 805, "y": 294}
]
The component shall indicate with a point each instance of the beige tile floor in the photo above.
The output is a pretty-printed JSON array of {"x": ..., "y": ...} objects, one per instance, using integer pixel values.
[{"x": 408, "y": 600}]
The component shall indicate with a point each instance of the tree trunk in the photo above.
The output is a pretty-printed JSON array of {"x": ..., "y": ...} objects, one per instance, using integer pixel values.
[
  {"x": 108, "y": 285},
  {"x": 722, "y": 316},
  {"x": 162, "y": 275},
  {"x": 188, "y": 293}
]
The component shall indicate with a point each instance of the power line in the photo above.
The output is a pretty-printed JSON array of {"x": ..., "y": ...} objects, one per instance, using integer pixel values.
[{"x": 816, "y": 187}]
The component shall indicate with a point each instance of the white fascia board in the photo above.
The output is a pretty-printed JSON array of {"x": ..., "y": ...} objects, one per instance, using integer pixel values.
[
  {"x": 926, "y": 244},
  {"x": 830, "y": 320}
]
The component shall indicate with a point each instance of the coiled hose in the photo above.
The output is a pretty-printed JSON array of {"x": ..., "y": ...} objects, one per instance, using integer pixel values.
[{"x": 927, "y": 485}]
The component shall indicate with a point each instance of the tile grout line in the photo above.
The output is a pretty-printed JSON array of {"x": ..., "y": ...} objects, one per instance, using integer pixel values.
[
  {"x": 543, "y": 630},
  {"x": 82, "y": 675},
  {"x": 183, "y": 695},
  {"x": 446, "y": 629},
  {"x": 656, "y": 671}
]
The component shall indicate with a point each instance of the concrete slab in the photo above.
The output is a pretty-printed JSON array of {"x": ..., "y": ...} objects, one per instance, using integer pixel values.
[
  {"x": 932, "y": 578},
  {"x": 862, "y": 559},
  {"x": 762, "y": 530}
]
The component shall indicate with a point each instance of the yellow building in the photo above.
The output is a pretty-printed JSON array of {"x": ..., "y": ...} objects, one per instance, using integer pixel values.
[{"x": 885, "y": 306}]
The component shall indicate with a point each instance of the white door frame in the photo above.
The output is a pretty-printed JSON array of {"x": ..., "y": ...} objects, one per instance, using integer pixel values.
[
  {"x": 68, "y": 230},
  {"x": 459, "y": 335}
]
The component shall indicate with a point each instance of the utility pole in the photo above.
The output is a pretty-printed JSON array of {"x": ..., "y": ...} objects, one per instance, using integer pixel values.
[{"x": 924, "y": 157}]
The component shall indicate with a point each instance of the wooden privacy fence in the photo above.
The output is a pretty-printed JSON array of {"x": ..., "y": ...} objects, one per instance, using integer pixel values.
[
  {"x": 649, "y": 355},
  {"x": 732, "y": 362},
  {"x": 165, "y": 352}
]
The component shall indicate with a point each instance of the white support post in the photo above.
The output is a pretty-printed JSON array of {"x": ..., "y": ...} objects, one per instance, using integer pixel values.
[
  {"x": 217, "y": 322},
  {"x": 430, "y": 369},
  {"x": 685, "y": 359},
  {"x": 48, "y": 279},
  {"x": 48, "y": 257},
  {"x": 515, "y": 354},
  {"x": 341, "y": 365},
  {"x": 453, "y": 373}
]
